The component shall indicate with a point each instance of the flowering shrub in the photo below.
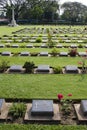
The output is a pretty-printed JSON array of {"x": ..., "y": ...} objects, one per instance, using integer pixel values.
[
  {"x": 83, "y": 64},
  {"x": 73, "y": 52},
  {"x": 60, "y": 96},
  {"x": 66, "y": 108}
]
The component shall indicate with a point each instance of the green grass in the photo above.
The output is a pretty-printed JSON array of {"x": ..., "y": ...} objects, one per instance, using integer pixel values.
[
  {"x": 42, "y": 86},
  {"x": 17, "y": 50},
  {"x": 41, "y": 127},
  {"x": 52, "y": 61}
]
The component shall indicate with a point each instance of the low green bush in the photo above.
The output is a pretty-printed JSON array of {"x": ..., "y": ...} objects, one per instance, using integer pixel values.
[
  {"x": 17, "y": 110},
  {"x": 38, "y": 40},
  {"x": 54, "y": 52},
  {"x": 3, "y": 65},
  {"x": 29, "y": 66},
  {"x": 58, "y": 70}
]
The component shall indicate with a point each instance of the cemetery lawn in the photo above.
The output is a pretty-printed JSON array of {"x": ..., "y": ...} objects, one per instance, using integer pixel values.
[
  {"x": 52, "y": 61},
  {"x": 47, "y": 86},
  {"x": 41, "y": 127}
]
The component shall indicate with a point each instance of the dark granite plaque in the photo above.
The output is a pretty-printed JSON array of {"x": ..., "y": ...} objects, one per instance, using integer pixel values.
[
  {"x": 83, "y": 107},
  {"x": 43, "y": 53},
  {"x": 2, "y": 101},
  {"x": 71, "y": 69},
  {"x": 63, "y": 54},
  {"x": 59, "y": 46},
  {"x": 24, "y": 54},
  {"x": 15, "y": 68},
  {"x": 42, "y": 108},
  {"x": 43, "y": 46},
  {"x": 73, "y": 46},
  {"x": 6, "y": 53},
  {"x": 15, "y": 46},
  {"x": 43, "y": 68},
  {"x": 82, "y": 53},
  {"x": 29, "y": 46},
  {"x": 1, "y": 45}
]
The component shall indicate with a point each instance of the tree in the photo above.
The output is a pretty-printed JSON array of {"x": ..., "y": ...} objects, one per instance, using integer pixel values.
[
  {"x": 7, "y": 6},
  {"x": 74, "y": 12}
]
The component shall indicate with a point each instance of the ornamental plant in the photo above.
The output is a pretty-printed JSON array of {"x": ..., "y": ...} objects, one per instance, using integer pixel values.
[
  {"x": 17, "y": 110},
  {"x": 73, "y": 52},
  {"x": 66, "y": 107},
  {"x": 83, "y": 63}
]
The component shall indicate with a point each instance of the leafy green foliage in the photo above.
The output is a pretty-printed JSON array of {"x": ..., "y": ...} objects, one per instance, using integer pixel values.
[
  {"x": 57, "y": 70},
  {"x": 38, "y": 40},
  {"x": 17, "y": 110},
  {"x": 29, "y": 66},
  {"x": 3, "y": 65},
  {"x": 54, "y": 52}
]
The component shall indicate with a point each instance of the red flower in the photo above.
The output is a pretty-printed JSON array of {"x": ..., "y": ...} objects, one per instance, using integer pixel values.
[
  {"x": 80, "y": 63},
  {"x": 86, "y": 51},
  {"x": 69, "y": 94},
  {"x": 60, "y": 96}
]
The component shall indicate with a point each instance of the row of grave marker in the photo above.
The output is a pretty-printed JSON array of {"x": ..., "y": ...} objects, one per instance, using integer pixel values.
[
  {"x": 42, "y": 46},
  {"x": 26, "y": 53},
  {"x": 46, "y": 69},
  {"x": 44, "y": 110}
]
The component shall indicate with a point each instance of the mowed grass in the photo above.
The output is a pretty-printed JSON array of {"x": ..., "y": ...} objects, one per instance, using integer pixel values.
[
  {"x": 45, "y": 86},
  {"x": 41, "y": 127},
  {"x": 38, "y": 50},
  {"x": 52, "y": 61}
]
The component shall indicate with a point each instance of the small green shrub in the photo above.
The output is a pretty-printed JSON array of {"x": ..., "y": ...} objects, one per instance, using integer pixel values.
[
  {"x": 80, "y": 45},
  {"x": 34, "y": 54},
  {"x": 38, "y": 40},
  {"x": 3, "y": 65},
  {"x": 54, "y": 52},
  {"x": 57, "y": 70},
  {"x": 29, "y": 66},
  {"x": 8, "y": 44},
  {"x": 17, "y": 110}
]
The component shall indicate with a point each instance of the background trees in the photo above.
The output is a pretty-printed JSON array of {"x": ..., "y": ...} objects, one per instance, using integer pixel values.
[
  {"x": 45, "y": 11},
  {"x": 74, "y": 12}
]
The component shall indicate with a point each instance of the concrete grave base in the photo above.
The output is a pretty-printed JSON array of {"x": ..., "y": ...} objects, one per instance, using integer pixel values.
[
  {"x": 79, "y": 113},
  {"x": 4, "y": 112},
  {"x": 43, "y": 119}
]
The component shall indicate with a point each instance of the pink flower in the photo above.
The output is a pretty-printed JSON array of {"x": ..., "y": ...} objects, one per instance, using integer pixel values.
[
  {"x": 69, "y": 94},
  {"x": 60, "y": 96}
]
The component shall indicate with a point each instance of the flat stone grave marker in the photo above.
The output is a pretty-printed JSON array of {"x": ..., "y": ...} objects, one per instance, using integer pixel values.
[
  {"x": 63, "y": 54},
  {"x": 82, "y": 54},
  {"x": 83, "y": 106},
  {"x": 2, "y": 103},
  {"x": 71, "y": 69},
  {"x": 85, "y": 46},
  {"x": 43, "y": 68},
  {"x": 43, "y": 53},
  {"x": 59, "y": 46},
  {"x": 42, "y": 108},
  {"x": 80, "y": 41},
  {"x": 2, "y": 45},
  {"x": 44, "y": 46},
  {"x": 16, "y": 68},
  {"x": 73, "y": 46},
  {"x": 15, "y": 46},
  {"x": 6, "y": 53},
  {"x": 81, "y": 111},
  {"x": 29, "y": 46},
  {"x": 24, "y": 54}
]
